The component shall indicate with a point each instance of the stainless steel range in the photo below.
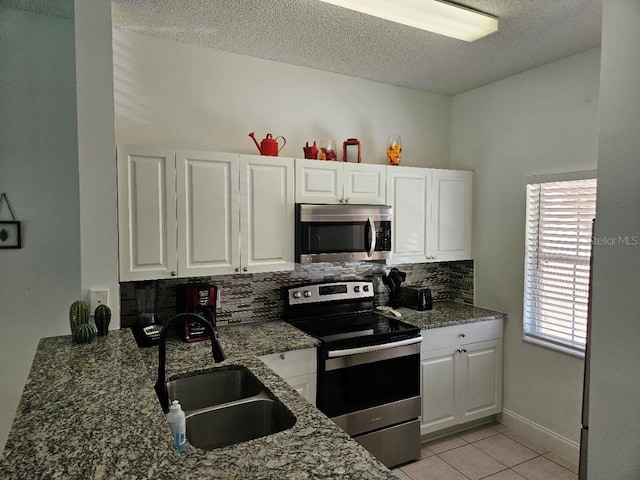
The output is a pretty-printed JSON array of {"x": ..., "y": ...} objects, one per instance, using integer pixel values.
[{"x": 368, "y": 366}]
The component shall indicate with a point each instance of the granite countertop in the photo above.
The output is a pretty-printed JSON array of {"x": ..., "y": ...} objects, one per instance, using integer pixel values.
[
  {"x": 249, "y": 339},
  {"x": 90, "y": 411},
  {"x": 447, "y": 313}
]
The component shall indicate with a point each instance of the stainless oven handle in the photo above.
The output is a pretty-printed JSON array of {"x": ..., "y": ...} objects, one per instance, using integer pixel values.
[
  {"x": 372, "y": 235},
  {"x": 373, "y": 348}
]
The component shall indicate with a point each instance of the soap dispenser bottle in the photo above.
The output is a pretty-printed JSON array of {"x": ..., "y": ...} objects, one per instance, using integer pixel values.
[{"x": 177, "y": 423}]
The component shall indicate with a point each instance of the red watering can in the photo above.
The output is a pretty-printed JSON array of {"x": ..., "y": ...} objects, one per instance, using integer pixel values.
[{"x": 269, "y": 145}]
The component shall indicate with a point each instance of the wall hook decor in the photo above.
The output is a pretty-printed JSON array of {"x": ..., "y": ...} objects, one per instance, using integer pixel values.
[{"x": 9, "y": 229}]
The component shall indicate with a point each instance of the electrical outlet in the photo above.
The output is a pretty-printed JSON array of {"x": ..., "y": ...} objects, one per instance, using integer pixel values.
[{"x": 99, "y": 297}]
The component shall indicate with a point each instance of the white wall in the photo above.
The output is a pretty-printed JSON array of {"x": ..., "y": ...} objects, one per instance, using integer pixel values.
[
  {"x": 39, "y": 173},
  {"x": 174, "y": 94},
  {"x": 614, "y": 416},
  {"x": 542, "y": 121},
  {"x": 97, "y": 152}
]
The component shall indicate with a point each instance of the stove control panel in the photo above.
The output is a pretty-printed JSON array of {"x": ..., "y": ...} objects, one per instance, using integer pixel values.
[{"x": 329, "y": 292}]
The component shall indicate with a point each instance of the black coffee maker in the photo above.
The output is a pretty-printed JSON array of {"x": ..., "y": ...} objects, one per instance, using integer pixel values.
[
  {"x": 393, "y": 279},
  {"x": 200, "y": 298}
]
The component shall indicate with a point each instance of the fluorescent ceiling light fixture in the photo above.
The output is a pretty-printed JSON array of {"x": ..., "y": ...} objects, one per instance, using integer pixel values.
[{"x": 432, "y": 15}]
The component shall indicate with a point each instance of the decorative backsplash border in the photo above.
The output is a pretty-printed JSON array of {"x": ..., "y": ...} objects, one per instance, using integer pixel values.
[{"x": 250, "y": 297}]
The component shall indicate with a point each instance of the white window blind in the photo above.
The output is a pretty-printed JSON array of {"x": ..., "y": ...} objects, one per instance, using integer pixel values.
[{"x": 558, "y": 253}]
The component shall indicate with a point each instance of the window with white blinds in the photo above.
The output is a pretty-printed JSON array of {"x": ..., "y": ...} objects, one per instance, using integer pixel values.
[{"x": 557, "y": 258}]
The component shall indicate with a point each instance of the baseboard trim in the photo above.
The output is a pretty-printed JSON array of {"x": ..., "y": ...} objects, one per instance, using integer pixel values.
[
  {"x": 429, "y": 437},
  {"x": 566, "y": 448}
]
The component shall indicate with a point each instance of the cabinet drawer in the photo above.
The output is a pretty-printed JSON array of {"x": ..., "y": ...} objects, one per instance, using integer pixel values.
[
  {"x": 292, "y": 363},
  {"x": 444, "y": 337}
]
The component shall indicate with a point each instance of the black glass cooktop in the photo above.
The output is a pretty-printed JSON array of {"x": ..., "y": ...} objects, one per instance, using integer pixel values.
[{"x": 367, "y": 328}]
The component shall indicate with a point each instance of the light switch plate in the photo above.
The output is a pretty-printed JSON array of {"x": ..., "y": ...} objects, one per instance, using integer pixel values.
[{"x": 98, "y": 297}]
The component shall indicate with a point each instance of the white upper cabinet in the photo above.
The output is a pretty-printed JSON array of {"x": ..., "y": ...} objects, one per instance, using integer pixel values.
[
  {"x": 266, "y": 213},
  {"x": 318, "y": 181},
  {"x": 146, "y": 212},
  {"x": 185, "y": 213},
  {"x": 431, "y": 214},
  {"x": 207, "y": 213},
  {"x": 324, "y": 182},
  {"x": 451, "y": 215},
  {"x": 365, "y": 184},
  {"x": 190, "y": 213},
  {"x": 408, "y": 193}
]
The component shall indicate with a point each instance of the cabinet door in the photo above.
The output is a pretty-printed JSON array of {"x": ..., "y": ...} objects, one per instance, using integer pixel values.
[
  {"x": 480, "y": 380},
  {"x": 146, "y": 212},
  {"x": 266, "y": 213},
  {"x": 450, "y": 237},
  {"x": 318, "y": 182},
  {"x": 408, "y": 193},
  {"x": 208, "y": 213},
  {"x": 298, "y": 368},
  {"x": 365, "y": 184},
  {"x": 438, "y": 370},
  {"x": 305, "y": 385}
]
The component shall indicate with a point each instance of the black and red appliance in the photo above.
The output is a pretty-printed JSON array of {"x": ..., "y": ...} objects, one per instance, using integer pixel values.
[{"x": 200, "y": 298}]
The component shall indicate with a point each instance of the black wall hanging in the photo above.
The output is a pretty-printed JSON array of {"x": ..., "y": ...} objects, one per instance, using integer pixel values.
[{"x": 9, "y": 229}]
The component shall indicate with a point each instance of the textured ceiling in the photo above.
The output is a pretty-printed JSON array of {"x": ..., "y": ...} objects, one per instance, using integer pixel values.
[{"x": 314, "y": 34}]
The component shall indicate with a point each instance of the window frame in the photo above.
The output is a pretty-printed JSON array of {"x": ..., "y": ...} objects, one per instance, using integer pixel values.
[{"x": 531, "y": 333}]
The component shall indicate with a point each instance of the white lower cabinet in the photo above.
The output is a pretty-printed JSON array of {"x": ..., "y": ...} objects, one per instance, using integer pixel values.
[
  {"x": 461, "y": 374},
  {"x": 298, "y": 368}
]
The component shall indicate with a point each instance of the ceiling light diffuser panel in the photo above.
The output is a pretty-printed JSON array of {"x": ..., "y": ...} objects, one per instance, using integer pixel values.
[{"x": 432, "y": 15}]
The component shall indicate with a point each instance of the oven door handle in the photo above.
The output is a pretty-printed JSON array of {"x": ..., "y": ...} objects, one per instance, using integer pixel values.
[
  {"x": 372, "y": 237},
  {"x": 373, "y": 348}
]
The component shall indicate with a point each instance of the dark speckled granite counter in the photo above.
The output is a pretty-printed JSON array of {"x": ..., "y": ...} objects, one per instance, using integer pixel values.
[
  {"x": 447, "y": 313},
  {"x": 90, "y": 411},
  {"x": 250, "y": 339}
]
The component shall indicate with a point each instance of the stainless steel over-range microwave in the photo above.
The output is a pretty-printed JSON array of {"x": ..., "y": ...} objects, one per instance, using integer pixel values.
[{"x": 342, "y": 233}]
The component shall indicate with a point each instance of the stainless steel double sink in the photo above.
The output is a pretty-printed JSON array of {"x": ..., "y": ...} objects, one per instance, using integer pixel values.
[{"x": 228, "y": 406}]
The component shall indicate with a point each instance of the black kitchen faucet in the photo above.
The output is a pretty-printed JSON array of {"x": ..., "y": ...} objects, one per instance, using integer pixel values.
[{"x": 216, "y": 351}]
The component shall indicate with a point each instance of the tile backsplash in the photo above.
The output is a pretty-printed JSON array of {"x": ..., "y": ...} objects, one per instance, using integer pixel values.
[{"x": 250, "y": 297}]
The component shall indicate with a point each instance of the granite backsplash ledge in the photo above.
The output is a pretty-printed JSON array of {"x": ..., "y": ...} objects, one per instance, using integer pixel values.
[{"x": 249, "y": 297}]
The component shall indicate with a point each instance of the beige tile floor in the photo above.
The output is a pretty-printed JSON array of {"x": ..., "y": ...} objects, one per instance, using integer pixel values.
[{"x": 490, "y": 452}]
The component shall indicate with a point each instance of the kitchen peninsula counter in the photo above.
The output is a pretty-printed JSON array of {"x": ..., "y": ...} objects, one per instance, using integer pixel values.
[{"x": 90, "y": 412}]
